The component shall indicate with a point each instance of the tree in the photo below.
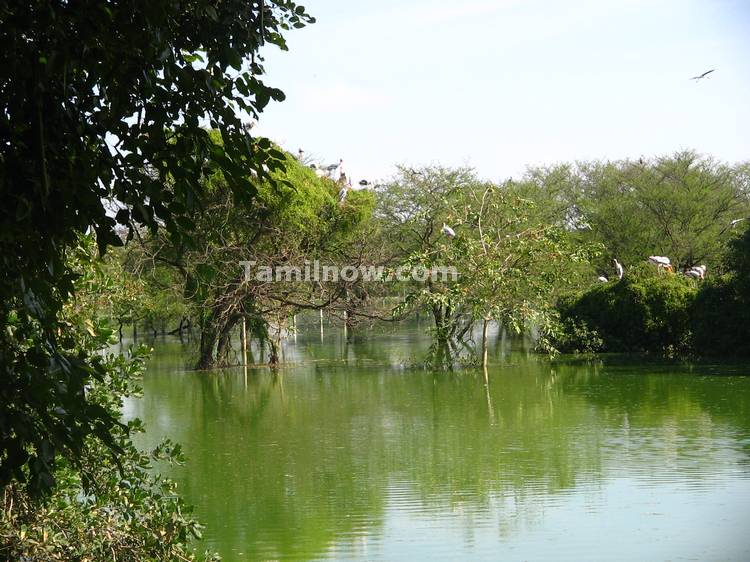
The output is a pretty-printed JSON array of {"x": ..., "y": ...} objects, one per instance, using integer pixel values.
[
  {"x": 510, "y": 263},
  {"x": 412, "y": 209},
  {"x": 294, "y": 220},
  {"x": 108, "y": 103},
  {"x": 681, "y": 206}
]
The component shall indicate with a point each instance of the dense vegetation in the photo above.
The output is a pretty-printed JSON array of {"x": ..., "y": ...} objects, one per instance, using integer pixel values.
[
  {"x": 105, "y": 108},
  {"x": 121, "y": 130}
]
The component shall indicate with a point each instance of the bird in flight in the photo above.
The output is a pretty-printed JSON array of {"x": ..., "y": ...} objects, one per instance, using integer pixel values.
[{"x": 702, "y": 76}]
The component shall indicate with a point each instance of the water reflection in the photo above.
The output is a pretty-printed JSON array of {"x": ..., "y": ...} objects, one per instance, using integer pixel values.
[{"x": 348, "y": 455}]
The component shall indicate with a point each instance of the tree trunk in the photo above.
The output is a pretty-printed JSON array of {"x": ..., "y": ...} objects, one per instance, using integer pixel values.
[
  {"x": 223, "y": 344},
  {"x": 485, "y": 327}
]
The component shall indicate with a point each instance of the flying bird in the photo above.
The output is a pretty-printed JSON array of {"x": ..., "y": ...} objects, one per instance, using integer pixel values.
[
  {"x": 448, "y": 231},
  {"x": 364, "y": 183},
  {"x": 702, "y": 76}
]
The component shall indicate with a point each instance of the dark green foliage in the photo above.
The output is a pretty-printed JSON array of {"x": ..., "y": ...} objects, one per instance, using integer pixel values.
[
  {"x": 648, "y": 310},
  {"x": 107, "y": 102},
  {"x": 104, "y": 507},
  {"x": 721, "y": 317},
  {"x": 575, "y": 336}
]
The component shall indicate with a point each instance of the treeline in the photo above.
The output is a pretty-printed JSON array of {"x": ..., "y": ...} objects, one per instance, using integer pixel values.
[{"x": 528, "y": 253}]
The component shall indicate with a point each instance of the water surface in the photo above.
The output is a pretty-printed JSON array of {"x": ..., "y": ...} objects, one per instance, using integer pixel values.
[{"x": 346, "y": 454}]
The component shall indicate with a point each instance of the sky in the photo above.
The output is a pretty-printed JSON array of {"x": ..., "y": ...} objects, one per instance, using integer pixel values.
[{"x": 506, "y": 84}]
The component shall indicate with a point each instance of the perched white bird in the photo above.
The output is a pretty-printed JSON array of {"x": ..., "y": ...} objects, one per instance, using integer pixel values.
[
  {"x": 318, "y": 171},
  {"x": 619, "y": 268},
  {"x": 697, "y": 272},
  {"x": 300, "y": 154},
  {"x": 448, "y": 231},
  {"x": 342, "y": 193},
  {"x": 661, "y": 262},
  {"x": 334, "y": 167},
  {"x": 602, "y": 279}
]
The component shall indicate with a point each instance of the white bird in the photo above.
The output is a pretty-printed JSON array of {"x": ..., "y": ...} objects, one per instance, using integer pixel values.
[
  {"x": 300, "y": 154},
  {"x": 342, "y": 193},
  {"x": 660, "y": 260},
  {"x": 602, "y": 279},
  {"x": 737, "y": 221},
  {"x": 334, "y": 167},
  {"x": 619, "y": 268},
  {"x": 448, "y": 231},
  {"x": 318, "y": 171},
  {"x": 697, "y": 272}
]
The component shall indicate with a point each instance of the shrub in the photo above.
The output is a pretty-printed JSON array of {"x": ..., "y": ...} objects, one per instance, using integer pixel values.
[
  {"x": 647, "y": 310},
  {"x": 721, "y": 315}
]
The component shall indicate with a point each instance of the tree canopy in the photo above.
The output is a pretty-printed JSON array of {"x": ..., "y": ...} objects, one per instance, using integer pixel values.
[{"x": 108, "y": 104}]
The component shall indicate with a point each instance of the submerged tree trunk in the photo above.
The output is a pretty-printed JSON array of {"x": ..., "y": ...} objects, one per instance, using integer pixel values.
[
  {"x": 206, "y": 348},
  {"x": 223, "y": 344}
]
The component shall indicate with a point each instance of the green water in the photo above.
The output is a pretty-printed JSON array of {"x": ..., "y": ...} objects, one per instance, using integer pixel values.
[{"x": 347, "y": 455}]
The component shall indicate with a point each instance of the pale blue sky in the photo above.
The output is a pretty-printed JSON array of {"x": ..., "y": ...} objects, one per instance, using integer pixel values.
[{"x": 503, "y": 84}]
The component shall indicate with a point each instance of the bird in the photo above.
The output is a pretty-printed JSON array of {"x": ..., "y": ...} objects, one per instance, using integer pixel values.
[
  {"x": 342, "y": 193},
  {"x": 702, "y": 76},
  {"x": 737, "y": 221},
  {"x": 364, "y": 183},
  {"x": 662, "y": 262},
  {"x": 602, "y": 279},
  {"x": 318, "y": 171},
  {"x": 448, "y": 231},
  {"x": 697, "y": 272},
  {"x": 300, "y": 154},
  {"x": 619, "y": 268},
  {"x": 334, "y": 167}
]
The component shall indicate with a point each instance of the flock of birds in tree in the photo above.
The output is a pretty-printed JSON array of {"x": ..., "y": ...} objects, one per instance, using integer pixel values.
[
  {"x": 334, "y": 171},
  {"x": 663, "y": 263}
]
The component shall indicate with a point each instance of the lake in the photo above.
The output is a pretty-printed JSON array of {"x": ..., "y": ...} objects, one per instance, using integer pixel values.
[{"x": 347, "y": 453}]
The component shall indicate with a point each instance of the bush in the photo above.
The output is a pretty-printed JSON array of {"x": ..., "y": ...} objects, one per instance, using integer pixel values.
[
  {"x": 721, "y": 316},
  {"x": 576, "y": 336},
  {"x": 648, "y": 310},
  {"x": 107, "y": 503}
]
